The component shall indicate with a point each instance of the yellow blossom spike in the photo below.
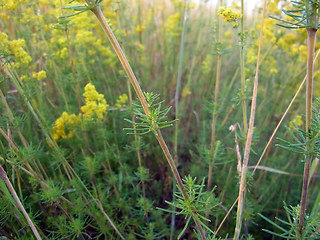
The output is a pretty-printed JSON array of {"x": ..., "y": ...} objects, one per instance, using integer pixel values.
[
  {"x": 122, "y": 101},
  {"x": 95, "y": 103}
]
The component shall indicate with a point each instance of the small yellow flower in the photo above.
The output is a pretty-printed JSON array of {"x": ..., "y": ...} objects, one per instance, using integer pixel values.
[
  {"x": 15, "y": 48},
  {"x": 39, "y": 75},
  {"x": 192, "y": 5},
  {"x": 273, "y": 8},
  {"x": 186, "y": 91},
  {"x": 122, "y": 101},
  {"x": 172, "y": 25},
  {"x": 63, "y": 126},
  {"x": 316, "y": 90},
  {"x": 227, "y": 34},
  {"x": 273, "y": 70},
  {"x": 10, "y": 5},
  {"x": 140, "y": 28},
  {"x": 297, "y": 120},
  {"x": 63, "y": 53}
]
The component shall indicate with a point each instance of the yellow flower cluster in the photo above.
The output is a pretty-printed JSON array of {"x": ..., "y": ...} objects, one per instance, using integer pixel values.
[
  {"x": 84, "y": 40},
  {"x": 140, "y": 28},
  {"x": 63, "y": 126},
  {"x": 181, "y": 4},
  {"x": 297, "y": 120},
  {"x": 95, "y": 105},
  {"x": 273, "y": 7},
  {"x": 172, "y": 25},
  {"x": 268, "y": 30},
  {"x": 122, "y": 101},
  {"x": 39, "y": 75},
  {"x": 316, "y": 89},
  {"x": 10, "y": 4},
  {"x": 15, "y": 48},
  {"x": 186, "y": 91},
  {"x": 287, "y": 41},
  {"x": 229, "y": 15},
  {"x": 270, "y": 39},
  {"x": 85, "y": 37}
]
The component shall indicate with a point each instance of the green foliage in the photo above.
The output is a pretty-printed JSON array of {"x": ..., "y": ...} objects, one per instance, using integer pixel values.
[
  {"x": 200, "y": 202},
  {"x": 244, "y": 95},
  {"x": 289, "y": 228},
  {"x": 149, "y": 233},
  {"x": 51, "y": 194},
  {"x": 306, "y": 143},
  {"x": 157, "y": 119},
  {"x": 218, "y": 48},
  {"x": 100, "y": 164},
  {"x": 143, "y": 174},
  {"x": 302, "y": 15},
  {"x": 81, "y": 8}
]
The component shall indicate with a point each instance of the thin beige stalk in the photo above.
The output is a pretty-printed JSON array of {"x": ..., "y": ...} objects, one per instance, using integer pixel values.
[
  {"x": 4, "y": 177},
  {"x": 104, "y": 24},
  {"x": 249, "y": 136}
]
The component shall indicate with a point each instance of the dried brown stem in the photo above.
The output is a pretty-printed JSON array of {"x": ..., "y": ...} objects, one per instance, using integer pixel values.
[
  {"x": 249, "y": 135},
  {"x": 4, "y": 177}
]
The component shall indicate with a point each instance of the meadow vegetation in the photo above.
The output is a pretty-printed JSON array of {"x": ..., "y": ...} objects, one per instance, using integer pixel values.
[{"x": 148, "y": 119}]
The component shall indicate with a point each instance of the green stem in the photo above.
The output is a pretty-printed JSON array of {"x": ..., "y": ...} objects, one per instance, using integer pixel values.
[{"x": 114, "y": 42}]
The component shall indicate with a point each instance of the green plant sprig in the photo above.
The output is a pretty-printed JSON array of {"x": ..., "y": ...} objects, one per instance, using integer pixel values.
[
  {"x": 154, "y": 121},
  {"x": 303, "y": 13},
  {"x": 81, "y": 8},
  {"x": 290, "y": 231},
  {"x": 199, "y": 201},
  {"x": 307, "y": 143}
]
